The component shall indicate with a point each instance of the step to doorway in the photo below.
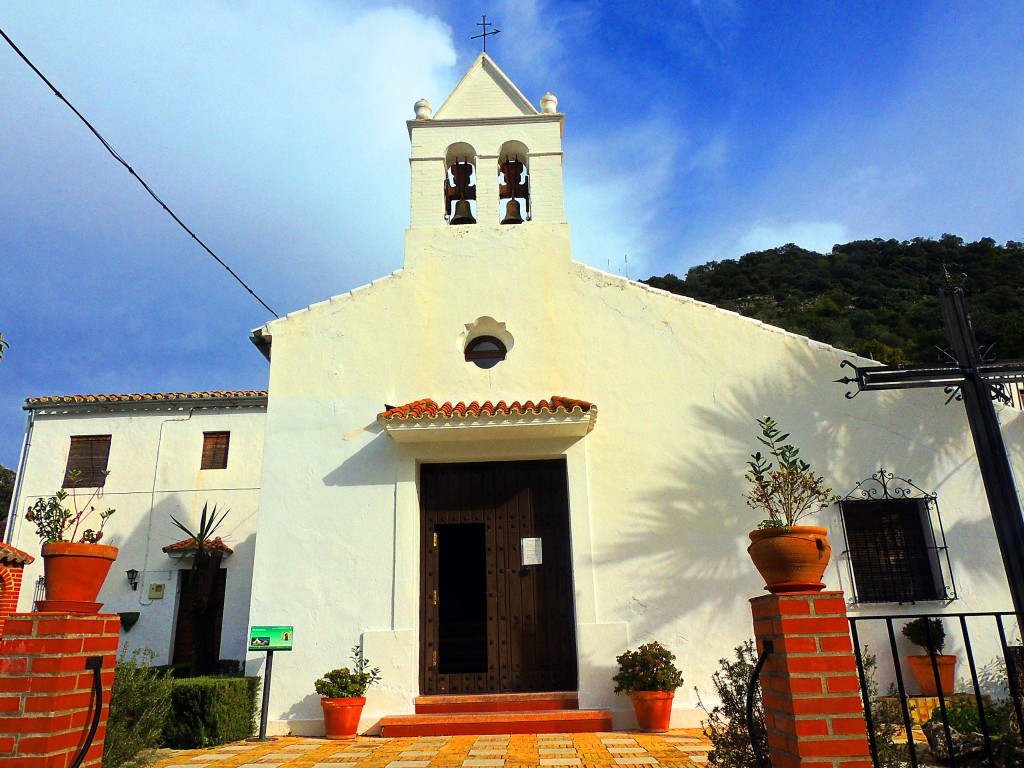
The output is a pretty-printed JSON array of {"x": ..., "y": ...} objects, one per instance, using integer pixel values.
[
  {"x": 497, "y": 702},
  {"x": 484, "y": 723}
]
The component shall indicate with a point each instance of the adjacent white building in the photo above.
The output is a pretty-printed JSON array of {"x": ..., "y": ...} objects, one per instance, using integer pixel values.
[
  {"x": 167, "y": 454},
  {"x": 497, "y": 468}
]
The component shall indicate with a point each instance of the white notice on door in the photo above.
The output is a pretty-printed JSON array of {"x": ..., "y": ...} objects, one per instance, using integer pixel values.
[{"x": 533, "y": 553}]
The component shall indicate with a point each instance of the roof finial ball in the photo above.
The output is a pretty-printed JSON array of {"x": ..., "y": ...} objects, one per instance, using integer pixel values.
[
  {"x": 548, "y": 103},
  {"x": 423, "y": 109}
]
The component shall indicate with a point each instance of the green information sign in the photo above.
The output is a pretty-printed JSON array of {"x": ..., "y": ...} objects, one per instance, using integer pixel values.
[{"x": 271, "y": 638}]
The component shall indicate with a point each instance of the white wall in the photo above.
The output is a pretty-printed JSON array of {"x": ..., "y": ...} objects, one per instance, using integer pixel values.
[
  {"x": 656, "y": 490},
  {"x": 154, "y": 473}
]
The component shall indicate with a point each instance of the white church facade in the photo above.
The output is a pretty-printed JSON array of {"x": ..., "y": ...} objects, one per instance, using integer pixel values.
[{"x": 497, "y": 468}]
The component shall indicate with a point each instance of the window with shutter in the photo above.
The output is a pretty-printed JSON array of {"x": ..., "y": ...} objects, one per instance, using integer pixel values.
[
  {"x": 215, "y": 450},
  {"x": 890, "y": 553},
  {"x": 892, "y": 549},
  {"x": 88, "y": 456}
]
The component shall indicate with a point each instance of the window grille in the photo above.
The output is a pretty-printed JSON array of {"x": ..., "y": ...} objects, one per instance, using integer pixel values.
[
  {"x": 88, "y": 455},
  {"x": 893, "y": 553}
]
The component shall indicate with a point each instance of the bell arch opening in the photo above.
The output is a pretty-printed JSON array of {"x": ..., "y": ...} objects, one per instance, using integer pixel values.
[
  {"x": 460, "y": 184},
  {"x": 514, "y": 182}
]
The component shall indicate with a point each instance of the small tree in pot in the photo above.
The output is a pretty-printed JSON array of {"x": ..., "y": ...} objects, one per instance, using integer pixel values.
[
  {"x": 343, "y": 695},
  {"x": 790, "y": 557},
  {"x": 928, "y": 632},
  {"x": 74, "y": 571},
  {"x": 650, "y": 677}
]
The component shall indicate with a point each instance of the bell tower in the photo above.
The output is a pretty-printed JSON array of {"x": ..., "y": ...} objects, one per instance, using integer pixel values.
[{"x": 488, "y": 157}]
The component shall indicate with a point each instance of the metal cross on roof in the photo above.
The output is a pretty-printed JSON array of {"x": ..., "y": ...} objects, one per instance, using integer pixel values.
[
  {"x": 976, "y": 380},
  {"x": 485, "y": 34}
]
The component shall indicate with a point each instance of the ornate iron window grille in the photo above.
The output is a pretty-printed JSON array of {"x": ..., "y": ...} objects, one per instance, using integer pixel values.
[{"x": 885, "y": 486}]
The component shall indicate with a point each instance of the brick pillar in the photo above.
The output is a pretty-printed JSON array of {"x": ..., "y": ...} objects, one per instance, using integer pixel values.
[
  {"x": 813, "y": 709},
  {"x": 12, "y": 568},
  {"x": 46, "y": 691}
]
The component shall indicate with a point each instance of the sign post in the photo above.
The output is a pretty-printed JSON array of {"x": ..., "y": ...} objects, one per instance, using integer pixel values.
[{"x": 269, "y": 639}]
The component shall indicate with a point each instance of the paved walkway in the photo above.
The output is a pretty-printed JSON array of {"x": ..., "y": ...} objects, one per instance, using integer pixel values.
[{"x": 679, "y": 749}]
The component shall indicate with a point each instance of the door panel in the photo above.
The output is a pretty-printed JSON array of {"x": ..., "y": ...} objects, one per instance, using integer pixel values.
[{"x": 478, "y": 595}]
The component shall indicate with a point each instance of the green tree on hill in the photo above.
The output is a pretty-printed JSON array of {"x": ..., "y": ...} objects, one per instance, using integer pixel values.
[
  {"x": 6, "y": 491},
  {"x": 873, "y": 297}
]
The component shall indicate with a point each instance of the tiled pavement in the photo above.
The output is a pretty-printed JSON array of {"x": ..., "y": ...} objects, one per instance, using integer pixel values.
[{"x": 678, "y": 749}]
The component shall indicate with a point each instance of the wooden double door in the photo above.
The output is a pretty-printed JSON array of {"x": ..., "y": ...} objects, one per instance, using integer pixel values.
[{"x": 498, "y": 611}]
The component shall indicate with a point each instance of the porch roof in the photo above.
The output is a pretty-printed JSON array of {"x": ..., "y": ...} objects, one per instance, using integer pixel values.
[
  {"x": 425, "y": 420},
  {"x": 211, "y": 545},
  {"x": 13, "y": 556}
]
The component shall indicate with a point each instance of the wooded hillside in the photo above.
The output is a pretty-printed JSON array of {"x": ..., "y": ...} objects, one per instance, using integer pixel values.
[{"x": 872, "y": 297}]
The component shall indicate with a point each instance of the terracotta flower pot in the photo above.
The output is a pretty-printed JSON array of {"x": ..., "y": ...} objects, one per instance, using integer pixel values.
[
  {"x": 341, "y": 716},
  {"x": 653, "y": 709},
  {"x": 921, "y": 666},
  {"x": 74, "y": 572},
  {"x": 793, "y": 560}
]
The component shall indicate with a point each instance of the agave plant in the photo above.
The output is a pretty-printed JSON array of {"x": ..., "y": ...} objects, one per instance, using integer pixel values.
[
  {"x": 200, "y": 539},
  {"x": 205, "y": 565}
]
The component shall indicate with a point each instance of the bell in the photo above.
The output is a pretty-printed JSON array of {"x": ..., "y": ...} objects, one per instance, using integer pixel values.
[
  {"x": 463, "y": 214},
  {"x": 512, "y": 213}
]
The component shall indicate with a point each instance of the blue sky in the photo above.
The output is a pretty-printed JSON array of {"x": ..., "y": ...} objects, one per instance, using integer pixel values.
[{"x": 694, "y": 131}]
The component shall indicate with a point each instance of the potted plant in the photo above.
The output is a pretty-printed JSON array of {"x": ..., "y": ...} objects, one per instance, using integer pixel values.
[
  {"x": 73, "y": 571},
  {"x": 790, "y": 557},
  {"x": 343, "y": 693},
  {"x": 650, "y": 677},
  {"x": 927, "y": 632}
]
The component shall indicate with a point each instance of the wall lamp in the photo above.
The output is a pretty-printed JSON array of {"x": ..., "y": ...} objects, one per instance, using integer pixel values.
[{"x": 133, "y": 578}]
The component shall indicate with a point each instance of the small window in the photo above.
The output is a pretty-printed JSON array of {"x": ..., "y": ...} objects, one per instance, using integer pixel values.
[
  {"x": 88, "y": 459},
  {"x": 215, "y": 450},
  {"x": 485, "y": 351}
]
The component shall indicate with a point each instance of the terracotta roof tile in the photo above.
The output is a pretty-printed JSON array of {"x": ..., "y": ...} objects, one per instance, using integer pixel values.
[
  {"x": 428, "y": 408},
  {"x": 13, "y": 556},
  {"x": 212, "y": 545},
  {"x": 142, "y": 397}
]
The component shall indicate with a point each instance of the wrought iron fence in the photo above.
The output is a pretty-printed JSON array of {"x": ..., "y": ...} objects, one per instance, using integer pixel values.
[
  {"x": 39, "y": 593},
  {"x": 974, "y": 720}
]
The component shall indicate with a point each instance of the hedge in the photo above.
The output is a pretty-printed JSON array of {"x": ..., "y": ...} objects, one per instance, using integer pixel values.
[{"x": 207, "y": 711}]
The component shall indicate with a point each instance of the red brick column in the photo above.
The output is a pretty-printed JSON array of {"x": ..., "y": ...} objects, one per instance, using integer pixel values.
[
  {"x": 46, "y": 691},
  {"x": 12, "y": 568},
  {"x": 812, "y": 703}
]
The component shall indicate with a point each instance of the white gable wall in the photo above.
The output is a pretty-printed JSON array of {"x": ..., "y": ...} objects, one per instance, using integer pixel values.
[{"x": 658, "y": 518}]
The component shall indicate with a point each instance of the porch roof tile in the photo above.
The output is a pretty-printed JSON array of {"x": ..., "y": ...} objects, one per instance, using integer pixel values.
[
  {"x": 429, "y": 409},
  {"x": 212, "y": 545}
]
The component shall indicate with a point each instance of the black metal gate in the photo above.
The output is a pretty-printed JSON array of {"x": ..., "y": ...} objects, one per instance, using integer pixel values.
[{"x": 976, "y": 721}]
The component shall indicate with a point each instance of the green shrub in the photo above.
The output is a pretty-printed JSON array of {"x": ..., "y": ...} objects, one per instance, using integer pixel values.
[
  {"x": 963, "y": 716},
  {"x": 347, "y": 684},
  {"x": 139, "y": 704},
  {"x": 886, "y": 717},
  {"x": 726, "y": 726},
  {"x": 649, "y": 668},
  {"x": 206, "y": 711},
  {"x": 917, "y": 632}
]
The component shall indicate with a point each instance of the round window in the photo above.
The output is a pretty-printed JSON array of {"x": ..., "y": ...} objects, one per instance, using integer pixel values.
[{"x": 485, "y": 351}]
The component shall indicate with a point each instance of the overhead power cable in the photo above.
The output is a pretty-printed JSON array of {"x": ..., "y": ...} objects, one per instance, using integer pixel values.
[{"x": 131, "y": 170}]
